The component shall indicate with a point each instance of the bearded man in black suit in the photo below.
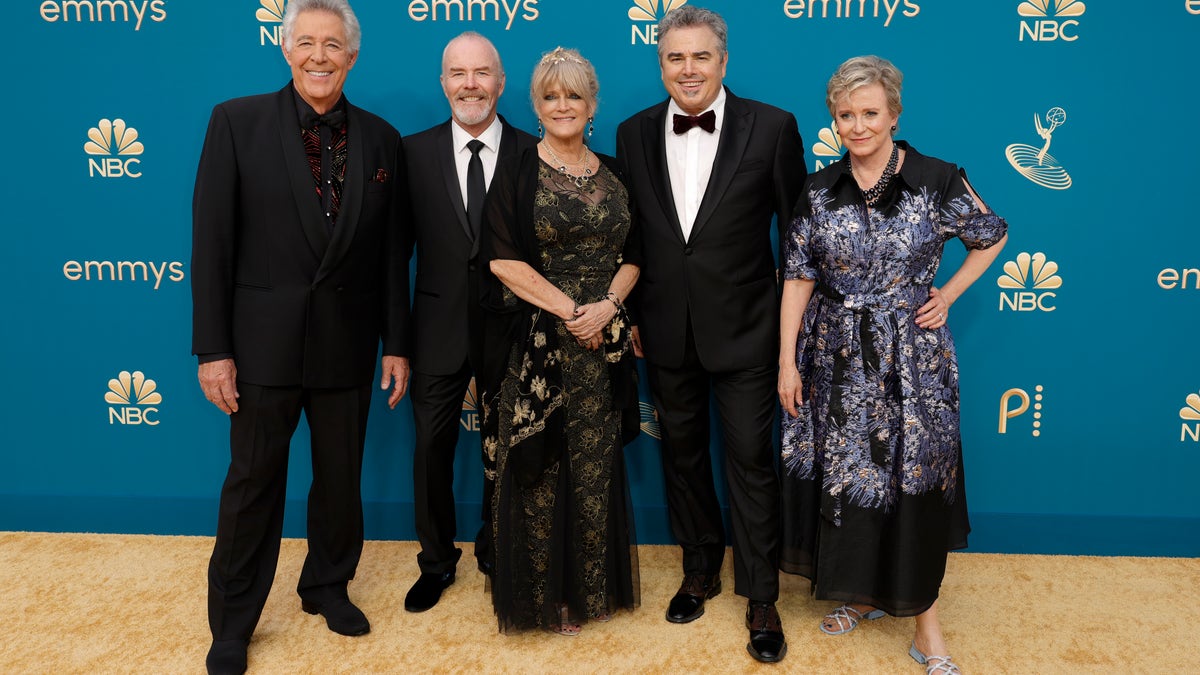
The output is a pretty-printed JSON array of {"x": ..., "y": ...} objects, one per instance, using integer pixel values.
[
  {"x": 708, "y": 170},
  {"x": 450, "y": 168},
  {"x": 297, "y": 273}
]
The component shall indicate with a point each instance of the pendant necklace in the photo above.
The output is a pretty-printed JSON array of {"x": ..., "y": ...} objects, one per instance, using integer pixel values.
[{"x": 580, "y": 180}]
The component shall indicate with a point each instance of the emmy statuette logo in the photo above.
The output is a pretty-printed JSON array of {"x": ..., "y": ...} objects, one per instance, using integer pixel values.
[
  {"x": 1027, "y": 283},
  {"x": 1049, "y": 20},
  {"x": 649, "y": 424},
  {"x": 1037, "y": 164},
  {"x": 1190, "y": 414},
  {"x": 270, "y": 18},
  {"x": 828, "y": 145},
  {"x": 470, "y": 408},
  {"x": 132, "y": 399},
  {"x": 1016, "y": 402},
  {"x": 649, "y": 10},
  {"x": 113, "y": 148}
]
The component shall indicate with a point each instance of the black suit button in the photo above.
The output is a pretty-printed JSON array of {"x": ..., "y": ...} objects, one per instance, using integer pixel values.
[
  {"x": 471, "y": 267},
  {"x": 687, "y": 250},
  {"x": 340, "y": 289}
]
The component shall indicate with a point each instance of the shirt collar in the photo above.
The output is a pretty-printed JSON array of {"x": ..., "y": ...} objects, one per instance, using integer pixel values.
[
  {"x": 910, "y": 172},
  {"x": 717, "y": 106},
  {"x": 490, "y": 136}
]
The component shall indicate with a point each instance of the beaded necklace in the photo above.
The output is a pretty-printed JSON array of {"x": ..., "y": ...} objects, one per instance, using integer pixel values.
[
  {"x": 872, "y": 194},
  {"x": 580, "y": 180}
]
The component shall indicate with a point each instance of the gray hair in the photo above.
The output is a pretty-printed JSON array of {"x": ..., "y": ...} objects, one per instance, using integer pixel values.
[
  {"x": 478, "y": 36},
  {"x": 863, "y": 71},
  {"x": 568, "y": 69},
  {"x": 688, "y": 17},
  {"x": 339, "y": 7}
]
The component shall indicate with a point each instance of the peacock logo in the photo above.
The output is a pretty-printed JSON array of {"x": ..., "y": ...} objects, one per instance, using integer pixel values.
[
  {"x": 1050, "y": 20},
  {"x": 649, "y": 10},
  {"x": 1028, "y": 283},
  {"x": 270, "y": 19},
  {"x": 470, "y": 408},
  {"x": 1190, "y": 414},
  {"x": 113, "y": 148},
  {"x": 828, "y": 145},
  {"x": 133, "y": 398}
]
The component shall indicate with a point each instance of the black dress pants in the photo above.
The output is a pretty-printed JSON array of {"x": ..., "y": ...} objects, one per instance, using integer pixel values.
[
  {"x": 250, "y": 521},
  {"x": 746, "y": 403}
]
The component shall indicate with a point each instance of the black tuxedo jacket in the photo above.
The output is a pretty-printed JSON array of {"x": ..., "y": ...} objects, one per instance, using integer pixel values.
[
  {"x": 724, "y": 275},
  {"x": 446, "y": 286},
  {"x": 294, "y": 303}
]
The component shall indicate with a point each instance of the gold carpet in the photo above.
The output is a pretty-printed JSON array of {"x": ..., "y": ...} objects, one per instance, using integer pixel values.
[{"x": 83, "y": 603}]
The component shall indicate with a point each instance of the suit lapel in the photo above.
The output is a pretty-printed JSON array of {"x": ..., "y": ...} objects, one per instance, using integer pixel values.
[
  {"x": 299, "y": 174},
  {"x": 353, "y": 186},
  {"x": 655, "y": 150},
  {"x": 445, "y": 155},
  {"x": 734, "y": 137}
]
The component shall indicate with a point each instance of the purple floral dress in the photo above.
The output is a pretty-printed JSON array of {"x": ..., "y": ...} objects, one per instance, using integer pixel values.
[{"x": 873, "y": 461}]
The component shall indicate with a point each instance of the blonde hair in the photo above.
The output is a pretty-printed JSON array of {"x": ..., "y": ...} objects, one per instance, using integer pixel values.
[
  {"x": 565, "y": 68},
  {"x": 863, "y": 71}
]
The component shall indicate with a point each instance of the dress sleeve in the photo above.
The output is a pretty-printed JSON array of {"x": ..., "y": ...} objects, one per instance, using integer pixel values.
[
  {"x": 501, "y": 238},
  {"x": 797, "y": 241},
  {"x": 962, "y": 217}
]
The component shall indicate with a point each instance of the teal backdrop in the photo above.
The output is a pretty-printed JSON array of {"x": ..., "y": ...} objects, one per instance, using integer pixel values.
[{"x": 1078, "y": 351}]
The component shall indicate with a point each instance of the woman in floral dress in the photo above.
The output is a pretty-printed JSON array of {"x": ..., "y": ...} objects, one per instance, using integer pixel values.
[
  {"x": 559, "y": 389},
  {"x": 872, "y": 456}
]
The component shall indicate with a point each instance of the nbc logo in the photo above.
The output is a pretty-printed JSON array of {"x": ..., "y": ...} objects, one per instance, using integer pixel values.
[
  {"x": 1049, "y": 20},
  {"x": 1190, "y": 414},
  {"x": 649, "y": 425},
  {"x": 470, "y": 408},
  {"x": 131, "y": 397},
  {"x": 649, "y": 10},
  {"x": 1015, "y": 402},
  {"x": 270, "y": 16},
  {"x": 829, "y": 145},
  {"x": 113, "y": 147},
  {"x": 1027, "y": 282},
  {"x": 1037, "y": 164}
]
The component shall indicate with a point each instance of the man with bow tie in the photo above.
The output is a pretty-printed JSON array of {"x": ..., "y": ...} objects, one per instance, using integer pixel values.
[
  {"x": 298, "y": 230},
  {"x": 707, "y": 171}
]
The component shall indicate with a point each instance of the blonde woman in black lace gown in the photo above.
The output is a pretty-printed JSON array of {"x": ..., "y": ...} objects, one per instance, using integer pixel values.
[{"x": 559, "y": 391}]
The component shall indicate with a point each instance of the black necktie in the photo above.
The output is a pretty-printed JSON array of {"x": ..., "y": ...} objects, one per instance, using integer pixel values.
[
  {"x": 476, "y": 189},
  {"x": 706, "y": 121}
]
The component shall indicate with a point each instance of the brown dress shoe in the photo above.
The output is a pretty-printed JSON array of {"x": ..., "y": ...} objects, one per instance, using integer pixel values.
[{"x": 766, "y": 632}]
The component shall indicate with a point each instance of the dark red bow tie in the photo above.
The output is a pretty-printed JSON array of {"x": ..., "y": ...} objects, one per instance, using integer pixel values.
[{"x": 706, "y": 121}]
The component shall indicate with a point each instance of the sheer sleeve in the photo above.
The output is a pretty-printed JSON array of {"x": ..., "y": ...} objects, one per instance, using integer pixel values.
[
  {"x": 797, "y": 241},
  {"x": 500, "y": 235},
  {"x": 963, "y": 218}
]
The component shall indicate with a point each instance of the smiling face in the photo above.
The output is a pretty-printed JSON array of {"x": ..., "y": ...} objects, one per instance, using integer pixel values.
[
  {"x": 472, "y": 81},
  {"x": 564, "y": 113},
  {"x": 864, "y": 121},
  {"x": 318, "y": 52},
  {"x": 692, "y": 67}
]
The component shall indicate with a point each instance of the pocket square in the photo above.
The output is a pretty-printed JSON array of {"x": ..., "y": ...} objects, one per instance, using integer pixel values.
[{"x": 381, "y": 176}]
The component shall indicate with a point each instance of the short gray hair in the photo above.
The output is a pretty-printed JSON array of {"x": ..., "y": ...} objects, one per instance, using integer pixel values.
[
  {"x": 863, "y": 71},
  {"x": 339, "y": 7},
  {"x": 688, "y": 17},
  {"x": 470, "y": 34}
]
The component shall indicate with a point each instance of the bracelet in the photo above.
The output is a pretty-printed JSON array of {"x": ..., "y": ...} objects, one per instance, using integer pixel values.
[{"x": 614, "y": 301}]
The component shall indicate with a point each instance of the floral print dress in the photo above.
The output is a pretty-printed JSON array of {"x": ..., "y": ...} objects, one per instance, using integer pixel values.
[{"x": 873, "y": 477}]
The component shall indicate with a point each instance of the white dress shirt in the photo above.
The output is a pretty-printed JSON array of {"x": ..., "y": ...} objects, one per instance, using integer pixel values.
[
  {"x": 690, "y": 159},
  {"x": 487, "y": 154}
]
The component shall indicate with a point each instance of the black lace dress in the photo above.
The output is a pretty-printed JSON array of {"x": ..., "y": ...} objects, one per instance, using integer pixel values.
[{"x": 561, "y": 511}]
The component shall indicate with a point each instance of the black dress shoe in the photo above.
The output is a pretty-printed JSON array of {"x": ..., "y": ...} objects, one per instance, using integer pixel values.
[
  {"x": 226, "y": 657},
  {"x": 427, "y": 591},
  {"x": 342, "y": 616},
  {"x": 766, "y": 632},
  {"x": 688, "y": 603},
  {"x": 487, "y": 569}
]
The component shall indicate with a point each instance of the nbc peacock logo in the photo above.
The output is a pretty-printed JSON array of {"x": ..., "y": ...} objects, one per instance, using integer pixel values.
[
  {"x": 1037, "y": 164},
  {"x": 1050, "y": 20},
  {"x": 1028, "y": 283},
  {"x": 1190, "y": 414},
  {"x": 828, "y": 145},
  {"x": 649, "y": 421},
  {"x": 470, "y": 408},
  {"x": 132, "y": 399},
  {"x": 113, "y": 149},
  {"x": 270, "y": 21},
  {"x": 649, "y": 10}
]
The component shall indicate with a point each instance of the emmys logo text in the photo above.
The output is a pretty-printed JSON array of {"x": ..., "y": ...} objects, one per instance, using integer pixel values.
[
  {"x": 473, "y": 10},
  {"x": 470, "y": 408},
  {"x": 114, "y": 149},
  {"x": 132, "y": 399},
  {"x": 1190, "y": 414},
  {"x": 270, "y": 18},
  {"x": 1027, "y": 283},
  {"x": 1016, "y": 402},
  {"x": 1192, "y": 7},
  {"x": 1049, "y": 20},
  {"x": 101, "y": 11},
  {"x": 123, "y": 270},
  {"x": 1037, "y": 164},
  {"x": 850, "y": 9},
  {"x": 649, "y": 10},
  {"x": 1185, "y": 278},
  {"x": 829, "y": 146}
]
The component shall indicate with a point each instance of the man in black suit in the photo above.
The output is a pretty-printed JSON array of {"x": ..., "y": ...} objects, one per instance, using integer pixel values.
[
  {"x": 450, "y": 167},
  {"x": 708, "y": 170},
  {"x": 297, "y": 272}
]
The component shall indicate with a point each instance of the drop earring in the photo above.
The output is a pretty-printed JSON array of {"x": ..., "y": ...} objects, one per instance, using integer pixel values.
[
  {"x": 591, "y": 127},
  {"x": 541, "y": 131}
]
